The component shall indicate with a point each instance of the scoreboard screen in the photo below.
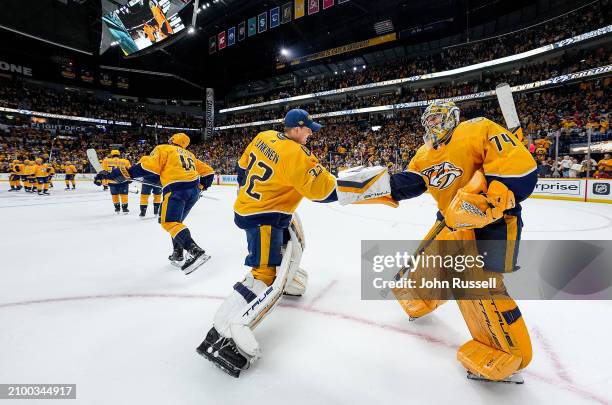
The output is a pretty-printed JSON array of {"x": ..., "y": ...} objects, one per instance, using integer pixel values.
[{"x": 142, "y": 24}]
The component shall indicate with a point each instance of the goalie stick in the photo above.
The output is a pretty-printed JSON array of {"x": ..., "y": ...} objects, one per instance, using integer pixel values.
[
  {"x": 92, "y": 155},
  {"x": 477, "y": 184},
  {"x": 508, "y": 109}
]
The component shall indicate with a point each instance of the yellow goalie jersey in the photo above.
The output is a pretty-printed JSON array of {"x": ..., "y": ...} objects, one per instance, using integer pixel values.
[
  {"x": 475, "y": 144},
  {"x": 175, "y": 166},
  {"x": 111, "y": 163},
  {"x": 274, "y": 174}
]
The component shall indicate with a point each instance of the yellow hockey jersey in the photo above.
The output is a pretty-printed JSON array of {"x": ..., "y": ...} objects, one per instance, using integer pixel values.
[
  {"x": 175, "y": 166},
  {"x": 111, "y": 163},
  {"x": 42, "y": 170},
  {"x": 477, "y": 144},
  {"x": 274, "y": 174},
  {"x": 71, "y": 169},
  {"x": 29, "y": 170},
  {"x": 605, "y": 165}
]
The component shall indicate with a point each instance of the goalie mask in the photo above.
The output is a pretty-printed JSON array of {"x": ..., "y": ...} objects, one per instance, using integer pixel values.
[{"x": 439, "y": 120}]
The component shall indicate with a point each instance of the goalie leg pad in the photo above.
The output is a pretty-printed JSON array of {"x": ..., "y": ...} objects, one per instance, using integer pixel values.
[
  {"x": 501, "y": 344},
  {"x": 418, "y": 302},
  {"x": 297, "y": 286},
  {"x": 252, "y": 300}
]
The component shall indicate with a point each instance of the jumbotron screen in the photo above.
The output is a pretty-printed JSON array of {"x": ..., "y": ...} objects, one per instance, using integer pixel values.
[{"x": 141, "y": 24}]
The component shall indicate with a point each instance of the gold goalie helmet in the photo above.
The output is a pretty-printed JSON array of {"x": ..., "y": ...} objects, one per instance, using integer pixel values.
[{"x": 439, "y": 120}]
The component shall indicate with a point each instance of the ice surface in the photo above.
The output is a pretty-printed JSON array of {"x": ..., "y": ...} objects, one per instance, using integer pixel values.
[{"x": 89, "y": 297}]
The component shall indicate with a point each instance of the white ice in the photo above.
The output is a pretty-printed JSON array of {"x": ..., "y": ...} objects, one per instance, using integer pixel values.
[{"x": 88, "y": 297}]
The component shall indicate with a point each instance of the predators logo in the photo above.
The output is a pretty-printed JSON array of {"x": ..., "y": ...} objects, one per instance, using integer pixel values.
[{"x": 442, "y": 175}]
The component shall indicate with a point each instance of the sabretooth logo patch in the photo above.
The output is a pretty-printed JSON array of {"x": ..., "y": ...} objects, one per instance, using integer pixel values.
[{"x": 442, "y": 175}]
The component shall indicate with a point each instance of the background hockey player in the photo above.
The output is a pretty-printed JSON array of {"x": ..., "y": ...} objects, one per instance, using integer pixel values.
[
  {"x": 452, "y": 155},
  {"x": 41, "y": 172},
  {"x": 180, "y": 174},
  {"x": 118, "y": 189},
  {"x": 149, "y": 186},
  {"x": 16, "y": 170},
  {"x": 51, "y": 173},
  {"x": 70, "y": 172},
  {"x": 275, "y": 172},
  {"x": 28, "y": 174}
]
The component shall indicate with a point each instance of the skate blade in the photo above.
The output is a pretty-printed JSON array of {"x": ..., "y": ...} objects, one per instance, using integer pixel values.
[
  {"x": 515, "y": 378},
  {"x": 195, "y": 265},
  {"x": 177, "y": 264},
  {"x": 220, "y": 363}
]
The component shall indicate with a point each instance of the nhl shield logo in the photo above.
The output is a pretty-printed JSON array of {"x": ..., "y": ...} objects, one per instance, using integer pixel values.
[
  {"x": 442, "y": 175},
  {"x": 601, "y": 188}
]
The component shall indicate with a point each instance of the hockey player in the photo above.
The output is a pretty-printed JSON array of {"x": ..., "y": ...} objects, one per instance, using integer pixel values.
[
  {"x": 29, "y": 171},
  {"x": 180, "y": 174},
  {"x": 42, "y": 175},
  {"x": 16, "y": 168},
  {"x": 487, "y": 208},
  {"x": 118, "y": 189},
  {"x": 164, "y": 27},
  {"x": 148, "y": 187},
  {"x": 274, "y": 173},
  {"x": 51, "y": 173},
  {"x": 70, "y": 172}
]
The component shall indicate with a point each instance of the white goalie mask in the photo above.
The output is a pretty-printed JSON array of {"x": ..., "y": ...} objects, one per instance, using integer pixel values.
[{"x": 439, "y": 120}]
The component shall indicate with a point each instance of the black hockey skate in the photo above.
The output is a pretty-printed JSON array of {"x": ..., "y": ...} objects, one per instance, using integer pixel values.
[
  {"x": 117, "y": 208},
  {"x": 176, "y": 258},
  {"x": 515, "y": 378},
  {"x": 223, "y": 353},
  {"x": 197, "y": 257},
  {"x": 143, "y": 212},
  {"x": 124, "y": 208}
]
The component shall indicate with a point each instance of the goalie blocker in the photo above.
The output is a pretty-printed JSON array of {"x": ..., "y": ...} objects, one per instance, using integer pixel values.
[{"x": 364, "y": 185}]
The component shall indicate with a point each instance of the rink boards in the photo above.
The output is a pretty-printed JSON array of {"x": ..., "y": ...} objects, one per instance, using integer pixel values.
[{"x": 586, "y": 190}]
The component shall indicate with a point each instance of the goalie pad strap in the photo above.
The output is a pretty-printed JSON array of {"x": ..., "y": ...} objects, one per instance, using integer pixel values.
[
  {"x": 246, "y": 293},
  {"x": 512, "y": 315}
]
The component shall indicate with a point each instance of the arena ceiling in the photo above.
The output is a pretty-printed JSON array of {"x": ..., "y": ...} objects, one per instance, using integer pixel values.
[{"x": 252, "y": 61}]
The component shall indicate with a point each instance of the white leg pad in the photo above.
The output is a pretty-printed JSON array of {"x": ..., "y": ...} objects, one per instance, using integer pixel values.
[
  {"x": 252, "y": 300},
  {"x": 297, "y": 286}
]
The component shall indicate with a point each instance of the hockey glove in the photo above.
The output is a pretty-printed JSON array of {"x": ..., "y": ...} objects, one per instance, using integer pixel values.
[
  {"x": 472, "y": 209},
  {"x": 101, "y": 175}
]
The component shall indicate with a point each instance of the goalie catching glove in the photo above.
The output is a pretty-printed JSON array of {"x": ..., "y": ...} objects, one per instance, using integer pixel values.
[
  {"x": 476, "y": 205},
  {"x": 365, "y": 185}
]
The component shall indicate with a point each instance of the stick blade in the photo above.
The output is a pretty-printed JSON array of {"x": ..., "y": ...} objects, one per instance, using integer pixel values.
[
  {"x": 506, "y": 103},
  {"x": 92, "y": 156}
]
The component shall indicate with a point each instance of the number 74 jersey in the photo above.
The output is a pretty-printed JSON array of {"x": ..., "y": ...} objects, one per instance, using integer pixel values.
[
  {"x": 274, "y": 174},
  {"x": 477, "y": 144}
]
